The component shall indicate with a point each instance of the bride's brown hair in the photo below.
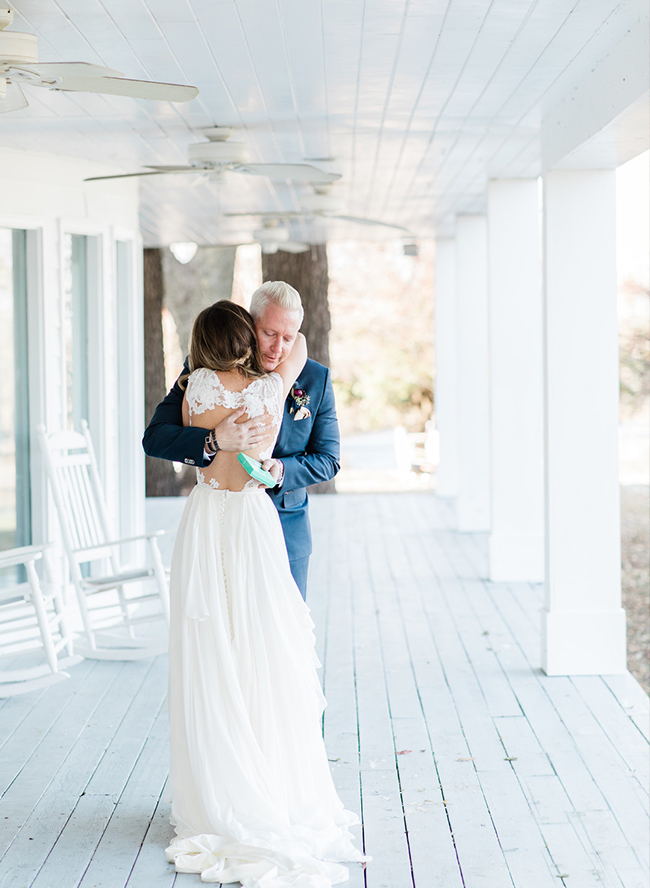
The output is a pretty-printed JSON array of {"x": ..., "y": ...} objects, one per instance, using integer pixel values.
[{"x": 223, "y": 338}]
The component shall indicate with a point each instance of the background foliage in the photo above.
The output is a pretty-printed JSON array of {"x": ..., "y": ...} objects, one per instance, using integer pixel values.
[
  {"x": 634, "y": 348},
  {"x": 381, "y": 342}
]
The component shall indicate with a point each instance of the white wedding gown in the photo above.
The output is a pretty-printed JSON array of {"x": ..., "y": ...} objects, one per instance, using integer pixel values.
[{"x": 252, "y": 795}]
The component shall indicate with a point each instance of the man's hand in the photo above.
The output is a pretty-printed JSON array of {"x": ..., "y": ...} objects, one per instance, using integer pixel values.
[{"x": 233, "y": 436}]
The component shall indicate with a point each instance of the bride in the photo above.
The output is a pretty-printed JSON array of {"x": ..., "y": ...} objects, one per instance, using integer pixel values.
[{"x": 252, "y": 795}]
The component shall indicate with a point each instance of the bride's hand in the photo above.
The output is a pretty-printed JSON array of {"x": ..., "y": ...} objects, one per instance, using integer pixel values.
[
  {"x": 233, "y": 436},
  {"x": 273, "y": 466}
]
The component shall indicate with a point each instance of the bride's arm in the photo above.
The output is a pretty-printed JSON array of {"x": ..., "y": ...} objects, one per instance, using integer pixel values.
[{"x": 291, "y": 367}]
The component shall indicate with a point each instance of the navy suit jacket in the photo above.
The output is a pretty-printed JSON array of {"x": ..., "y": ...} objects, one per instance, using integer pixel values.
[{"x": 309, "y": 449}]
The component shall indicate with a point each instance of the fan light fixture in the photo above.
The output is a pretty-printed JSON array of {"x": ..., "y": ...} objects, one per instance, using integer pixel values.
[
  {"x": 184, "y": 252},
  {"x": 273, "y": 237}
]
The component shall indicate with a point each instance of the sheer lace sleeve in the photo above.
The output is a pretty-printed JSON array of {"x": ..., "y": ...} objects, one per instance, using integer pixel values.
[{"x": 205, "y": 392}]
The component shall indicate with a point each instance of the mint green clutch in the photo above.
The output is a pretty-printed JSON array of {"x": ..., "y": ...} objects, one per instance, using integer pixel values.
[{"x": 255, "y": 470}]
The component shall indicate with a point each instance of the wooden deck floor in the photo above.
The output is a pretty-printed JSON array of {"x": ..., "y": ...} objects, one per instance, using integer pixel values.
[{"x": 468, "y": 766}]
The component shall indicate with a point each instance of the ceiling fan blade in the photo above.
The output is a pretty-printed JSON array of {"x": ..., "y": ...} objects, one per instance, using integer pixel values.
[
  {"x": 122, "y": 176},
  {"x": 299, "y": 172},
  {"x": 155, "y": 171},
  {"x": 136, "y": 89},
  {"x": 271, "y": 214},
  {"x": 293, "y": 247},
  {"x": 80, "y": 77},
  {"x": 13, "y": 99},
  {"x": 173, "y": 169},
  {"x": 54, "y": 70},
  {"x": 367, "y": 221}
]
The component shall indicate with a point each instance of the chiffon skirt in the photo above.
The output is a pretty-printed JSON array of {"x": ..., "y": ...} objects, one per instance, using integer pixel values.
[{"x": 252, "y": 795}]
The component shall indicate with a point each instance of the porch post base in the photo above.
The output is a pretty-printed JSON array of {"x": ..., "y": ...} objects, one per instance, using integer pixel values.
[
  {"x": 516, "y": 557},
  {"x": 583, "y": 642}
]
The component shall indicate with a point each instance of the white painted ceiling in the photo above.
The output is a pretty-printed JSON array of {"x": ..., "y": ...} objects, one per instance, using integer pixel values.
[{"x": 417, "y": 102}]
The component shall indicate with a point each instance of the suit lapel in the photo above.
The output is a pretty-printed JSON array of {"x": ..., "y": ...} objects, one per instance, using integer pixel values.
[{"x": 288, "y": 418}]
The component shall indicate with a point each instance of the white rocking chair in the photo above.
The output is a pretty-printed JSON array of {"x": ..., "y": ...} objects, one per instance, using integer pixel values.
[
  {"x": 109, "y": 615},
  {"x": 32, "y": 618}
]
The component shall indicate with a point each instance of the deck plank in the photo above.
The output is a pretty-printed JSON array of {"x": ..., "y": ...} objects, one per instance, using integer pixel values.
[
  {"x": 151, "y": 869},
  {"x": 468, "y": 765},
  {"x": 341, "y": 717},
  {"x": 106, "y": 763},
  {"x": 63, "y": 806},
  {"x": 622, "y": 733},
  {"x": 119, "y": 846},
  {"x": 426, "y": 817},
  {"x": 514, "y": 828},
  {"x": 54, "y": 752},
  {"x": 620, "y": 791},
  {"x": 318, "y": 586},
  {"x": 633, "y": 699},
  {"x": 610, "y": 841},
  {"x": 13, "y": 711},
  {"x": 31, "y": 725},
  {"x": 385, "y": 838}
]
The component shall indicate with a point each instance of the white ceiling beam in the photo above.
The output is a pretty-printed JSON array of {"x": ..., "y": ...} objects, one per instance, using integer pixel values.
[{"x": 613, "y": 91}]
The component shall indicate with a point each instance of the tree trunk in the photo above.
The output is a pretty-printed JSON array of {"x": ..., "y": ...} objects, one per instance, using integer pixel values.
[
  {"x": 308, "y": 273},
  {"x": 161, "y": 479}
]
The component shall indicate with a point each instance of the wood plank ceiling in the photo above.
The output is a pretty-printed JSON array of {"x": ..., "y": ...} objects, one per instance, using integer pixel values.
[{"x": 416, "y": 102}]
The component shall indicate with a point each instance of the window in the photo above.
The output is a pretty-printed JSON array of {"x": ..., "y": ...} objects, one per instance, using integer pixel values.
[
  {"x": 15, "y": 497},
  {"x": 75, "y": 327},
  {"x": 125, "y": 388}
]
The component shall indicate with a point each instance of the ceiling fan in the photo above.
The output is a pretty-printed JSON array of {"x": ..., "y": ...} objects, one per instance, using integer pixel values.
[
  {"x": 19, "y": 65},
  {"x": 272, "y": 237},
  {"x": 321, "y": 205},
  {"x": 216, "y": 156}
]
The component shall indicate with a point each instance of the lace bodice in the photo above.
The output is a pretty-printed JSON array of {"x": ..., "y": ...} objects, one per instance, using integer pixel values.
[{"x": 205, "y": 391}]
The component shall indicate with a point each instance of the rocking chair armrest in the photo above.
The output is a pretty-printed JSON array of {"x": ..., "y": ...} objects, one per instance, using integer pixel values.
[
  {"x": 142, "y": 536},
  {"x": 120, "y": 542},
  {"x": 24, "y": 554}
]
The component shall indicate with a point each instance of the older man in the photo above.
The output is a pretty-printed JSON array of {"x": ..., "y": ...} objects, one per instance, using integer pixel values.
[{"x": 307, "y": 450}]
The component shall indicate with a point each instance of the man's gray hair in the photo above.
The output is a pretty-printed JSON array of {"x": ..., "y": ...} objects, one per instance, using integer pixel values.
[{"x": 283, "y": 295}]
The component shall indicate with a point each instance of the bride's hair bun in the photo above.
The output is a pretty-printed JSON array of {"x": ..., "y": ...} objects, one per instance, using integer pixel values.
[{"x": 223, "y": 338}]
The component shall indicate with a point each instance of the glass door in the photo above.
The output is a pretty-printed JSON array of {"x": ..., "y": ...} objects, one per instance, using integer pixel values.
[
  {"x": 75, "y": 327},
  {"x": 15, "y": 495}
]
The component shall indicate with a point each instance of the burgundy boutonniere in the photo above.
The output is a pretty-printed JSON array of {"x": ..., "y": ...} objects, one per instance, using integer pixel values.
[{"x": 300, "y": 399}]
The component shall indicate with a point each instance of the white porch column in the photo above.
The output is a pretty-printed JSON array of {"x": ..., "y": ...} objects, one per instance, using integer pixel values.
[
  {"x": 473, "y": 503},
  {"x": 583, "y": 623},
  {"x": 445, "y": 398},
  {"x": 516, "y": 543}
]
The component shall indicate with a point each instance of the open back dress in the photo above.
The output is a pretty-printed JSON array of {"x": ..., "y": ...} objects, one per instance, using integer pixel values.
[{"x": 252, "y": 795}]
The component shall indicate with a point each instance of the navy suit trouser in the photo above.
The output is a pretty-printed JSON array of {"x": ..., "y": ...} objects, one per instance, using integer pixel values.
[{"x": 299, "y": 570}]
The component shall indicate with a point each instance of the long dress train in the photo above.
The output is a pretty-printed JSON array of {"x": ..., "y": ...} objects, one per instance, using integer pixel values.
[{"x": 252, "y": 795}]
